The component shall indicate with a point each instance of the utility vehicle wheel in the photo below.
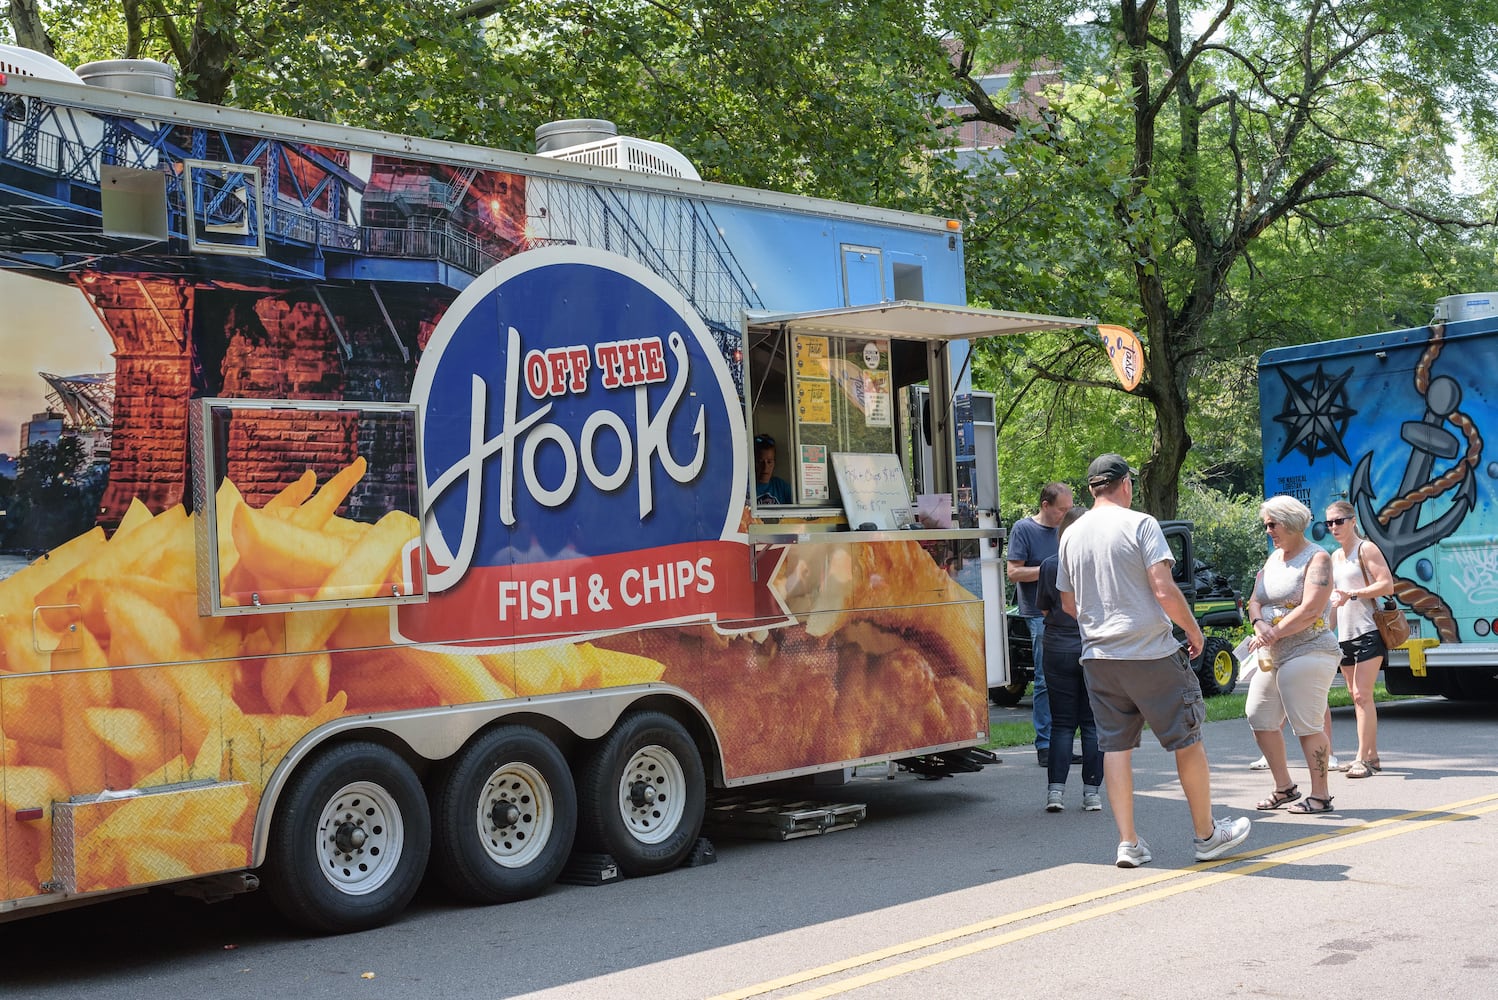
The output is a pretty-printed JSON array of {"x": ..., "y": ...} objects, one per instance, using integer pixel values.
[
  {"x": 349, "y": 840},
  {"x": 1008, "y": 695},
  {"x": 504, "y": 814},
  {"x": 1217, "y": 670},
  {"x": 643, "y": 795}
]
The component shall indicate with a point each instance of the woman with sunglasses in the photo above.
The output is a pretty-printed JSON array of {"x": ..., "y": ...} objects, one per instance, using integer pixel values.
[
  {"x": 1289, "y": 611},
  {"x": 1360, "y": 575}
]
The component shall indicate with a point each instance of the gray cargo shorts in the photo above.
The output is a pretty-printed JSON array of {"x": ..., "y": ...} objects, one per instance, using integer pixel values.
[{"x": 1127, "y": 694}]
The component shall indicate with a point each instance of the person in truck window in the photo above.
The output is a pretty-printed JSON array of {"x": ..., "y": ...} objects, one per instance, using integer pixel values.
[{"x": 768, "y": 487}]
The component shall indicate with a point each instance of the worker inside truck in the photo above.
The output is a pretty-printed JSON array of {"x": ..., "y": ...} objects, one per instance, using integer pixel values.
[{"x": 817, "y": 394}]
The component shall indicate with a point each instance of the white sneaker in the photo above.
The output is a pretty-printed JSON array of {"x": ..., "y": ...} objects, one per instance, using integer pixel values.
[
  {"x": 1092, "y": 802},
  {"x": 1334, "y": 764},
  {"x": 1226, "y": 835},
  {"x": 1259, "y": 765},
  {"x": 1053, "y": 803},
  {"x": 1135, "y": 854}
]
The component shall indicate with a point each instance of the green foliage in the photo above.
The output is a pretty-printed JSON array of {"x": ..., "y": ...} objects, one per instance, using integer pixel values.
[
  {"x": 1228, "y": 534},
  {"x": 1291, "y": 181}
]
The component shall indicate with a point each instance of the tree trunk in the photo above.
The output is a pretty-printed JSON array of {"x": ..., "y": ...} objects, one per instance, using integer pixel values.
[{"x": 26, "y": 22}]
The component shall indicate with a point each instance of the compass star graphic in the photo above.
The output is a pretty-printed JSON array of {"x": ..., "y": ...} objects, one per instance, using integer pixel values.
[{"x": 1315, "y": 415}]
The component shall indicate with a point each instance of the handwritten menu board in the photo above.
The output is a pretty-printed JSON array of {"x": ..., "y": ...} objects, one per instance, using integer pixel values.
[{"x": 873, "y": 490}]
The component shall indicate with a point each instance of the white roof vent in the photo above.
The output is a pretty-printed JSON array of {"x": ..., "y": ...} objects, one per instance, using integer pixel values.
[
  {"x": 594, "y": 141},
  {"x": 1455, "y": 308},
  {"x": 16, "y": 61},
  {"x": 138, "y": 76}
]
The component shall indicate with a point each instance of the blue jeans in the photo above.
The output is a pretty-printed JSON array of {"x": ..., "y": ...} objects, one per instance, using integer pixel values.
[{"x": 1040, "y": 708}]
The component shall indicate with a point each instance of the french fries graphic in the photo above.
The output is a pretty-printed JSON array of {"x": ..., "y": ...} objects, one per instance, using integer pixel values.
[{"x": 158, "y": 727}]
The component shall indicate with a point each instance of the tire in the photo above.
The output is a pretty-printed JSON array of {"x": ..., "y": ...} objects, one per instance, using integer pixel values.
[
  {"x": 504, "y": 813},
  {"x": 349, "y": 841},
  {"x": 642, "y": 794},
  {"x": 1008, "y": 695},
  {"x": 1217, "y": 669}
]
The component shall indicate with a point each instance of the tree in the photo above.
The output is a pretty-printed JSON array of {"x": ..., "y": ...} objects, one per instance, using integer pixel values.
[
  {"x": 56, "y": 494},
  {"x": 1180, "y": 172}
]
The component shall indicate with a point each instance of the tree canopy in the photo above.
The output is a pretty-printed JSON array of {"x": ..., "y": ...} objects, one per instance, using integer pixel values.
[{"x": 1222, "y": 177}]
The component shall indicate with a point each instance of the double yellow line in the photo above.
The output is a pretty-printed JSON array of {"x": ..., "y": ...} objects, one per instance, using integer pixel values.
[{"x": 1097, "y": 904}]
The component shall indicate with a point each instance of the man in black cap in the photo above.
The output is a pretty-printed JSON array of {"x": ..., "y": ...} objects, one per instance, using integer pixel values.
[{"x": 1114, "y": 577}]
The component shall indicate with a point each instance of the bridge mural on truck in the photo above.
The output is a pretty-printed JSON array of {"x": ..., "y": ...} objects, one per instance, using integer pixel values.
[
  {"x": 346, "y": 237},
  {"x": 1396, "y": 429}
]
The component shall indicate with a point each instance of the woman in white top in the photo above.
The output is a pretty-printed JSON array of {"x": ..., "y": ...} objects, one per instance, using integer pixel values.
[
  {"x": 1360, "y": 575},
  {"x": 1289, "y": 613}
]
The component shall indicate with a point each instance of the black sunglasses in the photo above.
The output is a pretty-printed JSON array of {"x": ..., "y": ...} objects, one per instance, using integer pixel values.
[
  {"x": 1271, "y": 525},
  {"x": 763, "y": 441},
  {"x": 1336, "y": 522}
]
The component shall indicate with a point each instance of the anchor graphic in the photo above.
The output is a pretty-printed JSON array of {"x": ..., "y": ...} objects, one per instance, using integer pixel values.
[{"x": 1396, "y": 530}]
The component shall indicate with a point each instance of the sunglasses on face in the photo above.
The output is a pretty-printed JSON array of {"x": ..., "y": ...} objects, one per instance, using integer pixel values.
[
  {"x": 1271, "y": 525},
  {"x": 1336, "y": 522}
]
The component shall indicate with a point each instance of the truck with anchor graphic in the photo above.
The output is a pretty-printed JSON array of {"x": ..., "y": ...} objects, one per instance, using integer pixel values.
[{"x": 1396, "y": 423}]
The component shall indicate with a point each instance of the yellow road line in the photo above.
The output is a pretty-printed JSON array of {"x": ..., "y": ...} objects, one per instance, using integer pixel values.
[{"x": 1291, "y": 851}]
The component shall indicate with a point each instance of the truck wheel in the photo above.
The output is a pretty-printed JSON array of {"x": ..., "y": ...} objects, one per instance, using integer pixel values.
[
  {"x": 349, "y": 840},
  {"x": 504, "y": 812},
  {"x": 1008, "y": 695},
  {"x": 1217, "y": 670},
  {"x": 643, "y": 795}
]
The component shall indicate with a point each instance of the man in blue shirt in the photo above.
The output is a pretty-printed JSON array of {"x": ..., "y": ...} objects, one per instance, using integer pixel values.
[
  {"x": 1032, "y": 540},
  {"x": 768, "y": 487}
]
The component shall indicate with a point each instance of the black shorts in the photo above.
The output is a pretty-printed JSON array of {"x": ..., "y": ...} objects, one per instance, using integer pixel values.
[{"x": 1359, "y": 649}]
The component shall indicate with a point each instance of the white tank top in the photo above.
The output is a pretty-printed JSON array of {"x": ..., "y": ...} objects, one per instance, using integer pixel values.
[{"x": 1355, "y": 616}]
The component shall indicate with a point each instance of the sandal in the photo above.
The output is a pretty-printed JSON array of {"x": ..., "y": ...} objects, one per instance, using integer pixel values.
[
  {"x": 1306, "y": 807},
  {"x": 1280, "y": 797},
  {"x": 1362, "y": 769}
]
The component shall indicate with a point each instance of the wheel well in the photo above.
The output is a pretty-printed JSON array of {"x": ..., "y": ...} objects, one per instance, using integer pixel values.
[{"x": 695, "y": 724}]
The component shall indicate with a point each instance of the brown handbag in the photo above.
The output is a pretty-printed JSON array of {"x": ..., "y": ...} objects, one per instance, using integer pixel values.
[{"x": 1393, "y": 627}]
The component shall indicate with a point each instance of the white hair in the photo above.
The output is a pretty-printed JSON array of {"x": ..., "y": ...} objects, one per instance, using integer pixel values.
[{"x": 1287, "y": 510}]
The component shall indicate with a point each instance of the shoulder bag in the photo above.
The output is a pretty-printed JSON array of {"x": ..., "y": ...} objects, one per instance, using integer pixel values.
[{"x": 1393, "y": 627}]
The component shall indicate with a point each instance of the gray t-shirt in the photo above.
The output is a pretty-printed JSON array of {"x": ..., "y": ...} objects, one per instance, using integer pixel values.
[{"x": 1104, "y": 561}]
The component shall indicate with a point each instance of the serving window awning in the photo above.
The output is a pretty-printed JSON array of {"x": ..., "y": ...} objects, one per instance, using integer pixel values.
[{"x": 906, "y": 320}]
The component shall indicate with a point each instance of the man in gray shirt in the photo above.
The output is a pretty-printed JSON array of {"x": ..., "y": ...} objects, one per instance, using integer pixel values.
[{"x": 1114, "y": 576}]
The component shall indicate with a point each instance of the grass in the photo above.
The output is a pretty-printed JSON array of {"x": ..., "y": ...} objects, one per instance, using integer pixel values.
[{"x": 1219, "y": 708}]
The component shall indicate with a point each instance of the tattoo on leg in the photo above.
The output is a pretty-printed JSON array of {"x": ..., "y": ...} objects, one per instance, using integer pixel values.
[{"x": 1318, "y": 760}]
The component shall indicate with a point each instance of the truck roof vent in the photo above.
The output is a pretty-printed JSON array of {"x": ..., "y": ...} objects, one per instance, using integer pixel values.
[
  {"x": 1474, "y": 305},
  {"x": 138, "y": 76},
  {"x": 16, "y": 61},
  {"x": 596, "y": 141}
]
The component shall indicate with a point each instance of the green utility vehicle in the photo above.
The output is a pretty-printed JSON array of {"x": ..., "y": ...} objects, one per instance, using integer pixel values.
[{"x": 1217, "y": 606}]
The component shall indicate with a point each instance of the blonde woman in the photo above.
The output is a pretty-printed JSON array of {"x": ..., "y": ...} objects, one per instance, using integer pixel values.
[
  {"x": 1360, "y": 575},
  {"x": 1289, "y": 611}
]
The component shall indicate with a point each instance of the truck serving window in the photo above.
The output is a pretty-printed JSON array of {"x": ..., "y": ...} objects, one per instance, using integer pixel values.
[
  {"x": 305, "y": 504},
  {"x": 815, "y": 395}
]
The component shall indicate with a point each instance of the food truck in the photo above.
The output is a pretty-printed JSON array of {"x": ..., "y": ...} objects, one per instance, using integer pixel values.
[
  {"x": 1395, "y": 423},
  {"x": 377, "y": 506}
]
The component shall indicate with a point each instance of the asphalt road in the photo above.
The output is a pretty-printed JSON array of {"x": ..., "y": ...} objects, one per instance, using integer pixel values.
[{"x": 952, "y": 888}]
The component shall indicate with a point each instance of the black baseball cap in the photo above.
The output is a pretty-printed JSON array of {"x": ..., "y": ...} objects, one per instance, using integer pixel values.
[
  {"x": 1106, "y": 468},
  {"x": 763, "y": 441}
]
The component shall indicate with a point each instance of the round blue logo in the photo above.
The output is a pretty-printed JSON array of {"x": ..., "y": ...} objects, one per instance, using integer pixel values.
[{"x": 574, "y": 405}]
